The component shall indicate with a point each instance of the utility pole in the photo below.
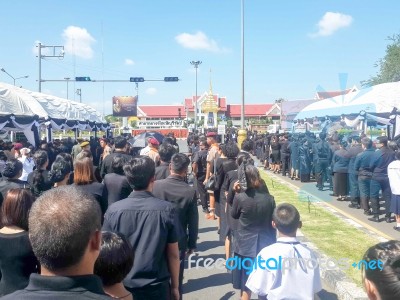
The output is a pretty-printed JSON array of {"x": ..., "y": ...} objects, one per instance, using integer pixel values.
[{"x": 53, "y": 54}]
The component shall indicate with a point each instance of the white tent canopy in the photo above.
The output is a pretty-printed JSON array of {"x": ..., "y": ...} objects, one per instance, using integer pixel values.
[
  {"x": 379, "y": 99},
  {"x": 21, "y": 102},
  {"x": 24, "y": 110}
]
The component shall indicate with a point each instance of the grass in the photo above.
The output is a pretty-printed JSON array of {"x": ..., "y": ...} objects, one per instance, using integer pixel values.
[{"x": 333, "y": 236}]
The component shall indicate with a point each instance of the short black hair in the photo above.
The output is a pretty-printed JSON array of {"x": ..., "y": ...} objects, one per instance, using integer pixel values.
[
  {"x": 366, "y": 142},
  {"x": 120, "y": 142},
  {"x": 286, "y": 218},
  {"x": 179, "y": 162},
  {"x": 61, "y": 223},
  {"x": 247, "y": 145},
  {"x": 166, "y": 151},
  {"x": 115, "y": 259},
  {"x": 117, "y": 164},
  {"x": 139, "y": 171},
  {"x": 12, "y": 168},
  {"x": 232, "y": 150},
  {"x": 386, "y": 279},
  {"x": 59, "y": 169}
]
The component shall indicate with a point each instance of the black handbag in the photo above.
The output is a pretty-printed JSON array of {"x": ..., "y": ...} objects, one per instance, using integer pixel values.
[{"x": 211, "y": 184}]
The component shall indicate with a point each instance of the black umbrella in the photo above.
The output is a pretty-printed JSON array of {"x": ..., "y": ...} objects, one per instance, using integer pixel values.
[{"x": 140, "y": 141}]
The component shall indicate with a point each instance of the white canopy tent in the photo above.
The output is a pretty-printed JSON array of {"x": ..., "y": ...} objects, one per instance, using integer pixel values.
[
  {"x": 377, "y": 103},
  {"x": 32, "y": 108},
  {"x": 378, "y": 99}
]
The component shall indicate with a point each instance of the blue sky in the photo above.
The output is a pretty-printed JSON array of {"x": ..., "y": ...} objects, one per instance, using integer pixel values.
[{"x": 291, "y": 47}]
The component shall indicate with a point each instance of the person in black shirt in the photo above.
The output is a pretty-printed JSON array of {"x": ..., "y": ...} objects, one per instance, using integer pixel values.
[
  {"x": 165, "y": 151},
  {"x": 64, "y": 230},
  {"x": 175, "y": 190},
  {"x": 116, "y": 183},
  {"x": 121, "y": 146},
  {"x": 17, "y": 260},
  {"x": 199, "y": 168},
  {"x": 150, "y": 224},
  {"x": 361, "y": 166},
  {"x": 380, "y": 180}
]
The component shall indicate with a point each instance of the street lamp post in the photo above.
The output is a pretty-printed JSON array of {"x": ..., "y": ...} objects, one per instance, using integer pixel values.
[
  {"x": 196, "y": 66},
  {"x": 3, "y": 70},
  {"x": 67, "y": 79}
]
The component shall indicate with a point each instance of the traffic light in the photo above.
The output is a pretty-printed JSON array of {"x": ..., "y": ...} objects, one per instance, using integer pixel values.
[
  {"x": 170, "y": 79},
  {"x": 136, "y": 79},
  {"x": 82, "y": 78}
]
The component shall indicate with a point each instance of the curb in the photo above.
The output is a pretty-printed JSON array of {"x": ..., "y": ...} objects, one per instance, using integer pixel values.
[{"x": 335, "y": 278}]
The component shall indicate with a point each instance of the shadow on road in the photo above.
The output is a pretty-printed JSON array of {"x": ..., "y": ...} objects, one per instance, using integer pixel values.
[
  {"x": 207, "y": 282},
  {"x": 207, "y": 229},
  {"x": 208, "y": 245}
]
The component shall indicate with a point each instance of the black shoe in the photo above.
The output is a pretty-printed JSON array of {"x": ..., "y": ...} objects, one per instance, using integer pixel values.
[
  {"x": 205, "y": 210},
  {"x": 374, "y": 219},
  {"x": 396, "y": 228},
  {"x": 355, "y": 205},
  {"x": 219, "y": 231},
  {"x": 388, "y": 219},
  {"x": 320, "y": 188},
  {"x": 367, "y": 213}
]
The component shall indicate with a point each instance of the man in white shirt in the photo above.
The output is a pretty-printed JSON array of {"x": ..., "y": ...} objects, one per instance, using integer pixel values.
[
  {"x": 286, "y": 269},
  {"x": 27, "y": 163}
]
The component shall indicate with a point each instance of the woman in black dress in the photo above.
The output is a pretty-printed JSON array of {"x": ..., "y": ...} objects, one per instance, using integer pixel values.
[
  {"x": 17, "y": 260},
  {"x": 60, "y": 172},
  {"x": 84, "y": 178},
  {"x": 340, "y": 161},
  {"x": 253, "y": 207},
  {"x": 39, "y": 178},
  {"x": 275, "y": 154}
]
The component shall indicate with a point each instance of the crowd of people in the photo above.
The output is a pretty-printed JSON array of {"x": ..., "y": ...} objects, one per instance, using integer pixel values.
[
  {"x": 99, "y": 220},
  {"x": 355, "y": 168}
]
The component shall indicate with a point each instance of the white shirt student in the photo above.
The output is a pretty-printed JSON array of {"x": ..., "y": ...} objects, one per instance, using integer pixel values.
[{"x": 301, "y": 280}]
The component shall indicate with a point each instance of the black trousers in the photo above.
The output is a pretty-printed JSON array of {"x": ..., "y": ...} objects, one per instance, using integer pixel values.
[
  {"x": 157, "y": 291},
  {"x": 201, "y": 189},
  {"x": 321, "y": 171},
  {"x": 354, "y": 188},
  {"x": 285, "y": 164},
  {"x": 377, "y": 184},
  {"x": 364, "y": 183}
]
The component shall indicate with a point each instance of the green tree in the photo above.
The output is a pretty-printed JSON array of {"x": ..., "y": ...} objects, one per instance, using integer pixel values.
[
  {"x": 133, "y": 124},
  {"x": 389, "y": 65},
  {"x": 112, "y": 119}
]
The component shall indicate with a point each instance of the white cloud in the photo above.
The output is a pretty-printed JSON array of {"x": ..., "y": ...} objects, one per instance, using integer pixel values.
[
  {"x": 151, "y": 91},
  {"x": 78, "y": 41},
  {"x": 331, "y": 22},
  {"x": 198, "y": 41},
  {"x": 129, "y": 62}
]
